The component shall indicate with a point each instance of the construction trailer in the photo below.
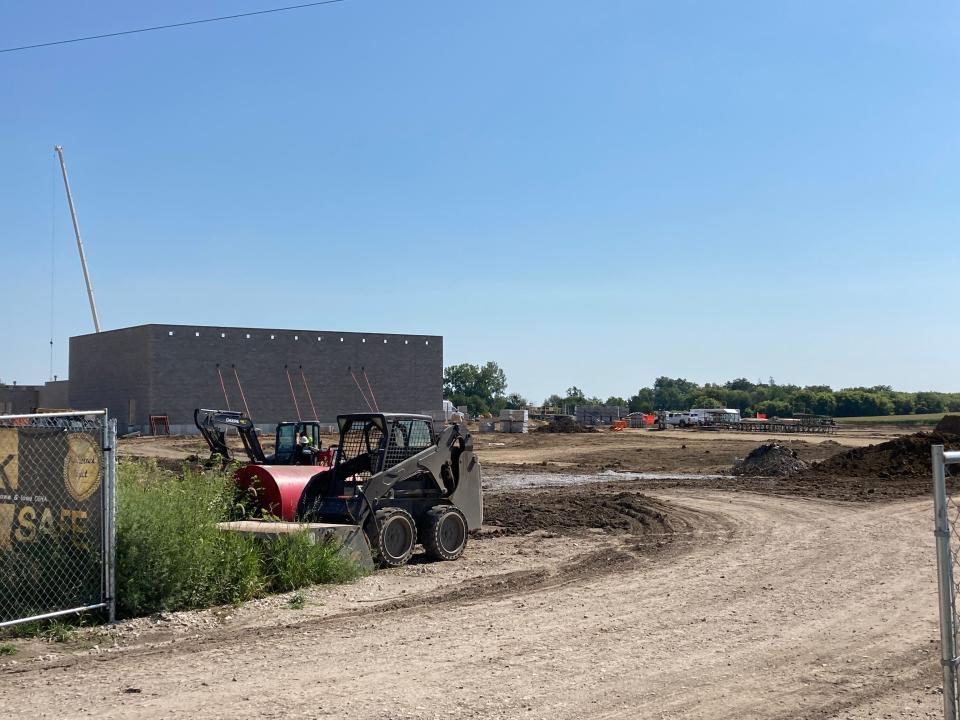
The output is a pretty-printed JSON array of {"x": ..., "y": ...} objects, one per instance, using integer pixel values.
[{"x": 713, "y": 416}]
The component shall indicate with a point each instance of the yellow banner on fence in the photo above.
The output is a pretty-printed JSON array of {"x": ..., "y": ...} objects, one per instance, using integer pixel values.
[{"x": 9, "y": 459}]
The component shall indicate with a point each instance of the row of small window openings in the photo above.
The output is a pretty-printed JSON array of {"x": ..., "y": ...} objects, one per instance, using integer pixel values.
[{"x": 297, "y": 337}]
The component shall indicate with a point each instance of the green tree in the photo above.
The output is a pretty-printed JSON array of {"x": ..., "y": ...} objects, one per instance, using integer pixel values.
[
  {"x": 480, "y": 388},
  {"x": 929, "y": 402},
  {"x": 516, "y": 401},
  {"x": 705, "y": 401},
  {"x": 643, "y": 401},
  {"x": 674, "y": 393}
]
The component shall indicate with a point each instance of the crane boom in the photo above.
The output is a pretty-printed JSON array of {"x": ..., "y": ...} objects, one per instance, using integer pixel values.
[{"x": 76, "y": 230}]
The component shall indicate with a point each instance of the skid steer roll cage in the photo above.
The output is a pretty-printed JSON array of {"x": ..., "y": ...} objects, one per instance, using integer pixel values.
[{"x": 407, "y": 449}]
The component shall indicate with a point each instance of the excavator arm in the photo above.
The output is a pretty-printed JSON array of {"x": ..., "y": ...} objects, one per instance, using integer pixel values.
[{"x": 213, "y": 426}]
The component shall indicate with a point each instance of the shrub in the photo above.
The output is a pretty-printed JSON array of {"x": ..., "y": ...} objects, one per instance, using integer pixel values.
[{"x": 171, "y": 555}]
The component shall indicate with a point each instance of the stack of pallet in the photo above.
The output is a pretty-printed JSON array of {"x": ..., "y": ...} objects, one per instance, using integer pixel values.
[{"x": 514, "y": 421}]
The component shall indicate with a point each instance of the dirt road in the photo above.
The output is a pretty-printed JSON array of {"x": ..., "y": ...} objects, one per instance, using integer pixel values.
[{"x": 754, "y": 607}]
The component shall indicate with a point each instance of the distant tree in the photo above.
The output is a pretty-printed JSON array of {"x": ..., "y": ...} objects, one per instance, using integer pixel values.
[
  {"x": 903, "y": 403},
  {"x": 553, "y": 401},
  {"x": 775, "y": 408},
  {"x": 823, "y": 403},
  {"x": 613, "y": 400},
  {"x": 515, "y": 401},
  {"x": 643, "y": 401},
  {"x": 739, "y": 399},
  {"x": 705, "y": 401},
  {"x": 674, "y": 393},
  {"x": 929, "y": 402},
  {"x": 479, "y": 388}
]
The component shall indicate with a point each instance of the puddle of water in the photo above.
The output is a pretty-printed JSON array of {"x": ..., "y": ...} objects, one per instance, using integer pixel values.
[{"x": 513, "y": 480}]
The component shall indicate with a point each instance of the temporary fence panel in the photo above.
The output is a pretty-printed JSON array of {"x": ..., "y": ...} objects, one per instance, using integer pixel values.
[
  {"x": 947, "y": 533},
  {"x": 57, "y": 512}
]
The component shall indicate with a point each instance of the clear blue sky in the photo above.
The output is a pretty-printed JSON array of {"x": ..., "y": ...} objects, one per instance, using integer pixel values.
[{"x": 589, "y": 193}]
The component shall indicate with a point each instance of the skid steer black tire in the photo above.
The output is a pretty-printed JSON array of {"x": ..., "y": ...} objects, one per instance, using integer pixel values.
[
  {"x": 392, "y": 537},
  {"x": 444, "y": 535}
]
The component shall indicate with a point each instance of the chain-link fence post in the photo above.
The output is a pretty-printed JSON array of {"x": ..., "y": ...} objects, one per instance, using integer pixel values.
[
  {"x": 109, "y": 500},
  {"x": 948, "y": 636}
]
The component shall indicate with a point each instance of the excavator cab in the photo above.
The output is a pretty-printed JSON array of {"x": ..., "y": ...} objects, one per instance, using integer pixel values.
[{"x": 289, "y": 450}]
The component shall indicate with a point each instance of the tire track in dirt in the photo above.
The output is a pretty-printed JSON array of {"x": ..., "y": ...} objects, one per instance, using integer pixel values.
[
  {"x": 678, "y": 531},
  {"x": 759, "y": 607}
]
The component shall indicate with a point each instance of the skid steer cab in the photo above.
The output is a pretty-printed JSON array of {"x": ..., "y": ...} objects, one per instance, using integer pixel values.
[
  {"x": 297, "y": 443},
  {"x": 402, "y": 484}
]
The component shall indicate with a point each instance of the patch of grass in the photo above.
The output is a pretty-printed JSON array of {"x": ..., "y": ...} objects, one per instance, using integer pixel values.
[
  {"x": 294, "y": 561},
  {"x": 297, "y": 601},
  {"x": 50, "y": 630},
  {"x": 171, "y": 556},
  {"x": 922, "y": 419},
  {"x": 6, "y": 649}
]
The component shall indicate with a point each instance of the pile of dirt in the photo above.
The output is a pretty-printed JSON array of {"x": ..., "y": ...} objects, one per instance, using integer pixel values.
[
  {"x": 904, "y": 458},
  {"x": 770, "y": 460},
  {"x": 565, "y": 424},
  {"x": 574, "y": 510},
  {"x": 949, "y": 425}
]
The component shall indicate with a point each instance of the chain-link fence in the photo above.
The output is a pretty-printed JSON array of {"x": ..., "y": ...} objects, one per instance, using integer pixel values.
[
  {"x": 946, "y": 502},
  {"x": 57, "y": 500}
]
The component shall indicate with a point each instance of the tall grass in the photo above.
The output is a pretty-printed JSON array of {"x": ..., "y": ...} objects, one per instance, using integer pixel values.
[{"x": 171, "y": 556}]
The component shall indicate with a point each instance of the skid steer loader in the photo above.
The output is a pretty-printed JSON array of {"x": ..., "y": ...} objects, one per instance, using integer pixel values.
[{"x": 401, "y": 485}]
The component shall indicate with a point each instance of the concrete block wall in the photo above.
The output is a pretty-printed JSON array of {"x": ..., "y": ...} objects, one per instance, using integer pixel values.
[
  {"x": 18, "y": 399},
  {"x": 171, "y": 369}
]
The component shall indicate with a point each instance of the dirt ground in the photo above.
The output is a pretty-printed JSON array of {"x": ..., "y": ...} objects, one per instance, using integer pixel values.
[
  {"x": 631, "y": 450},
  {"x": 696, "y": 597}
]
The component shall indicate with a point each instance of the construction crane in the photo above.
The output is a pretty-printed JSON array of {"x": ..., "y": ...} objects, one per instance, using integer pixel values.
[{"x": 76, "y": 229}]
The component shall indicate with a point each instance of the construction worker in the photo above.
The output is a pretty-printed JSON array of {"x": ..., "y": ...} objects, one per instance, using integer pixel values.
[{"x": 305, "y": 450}]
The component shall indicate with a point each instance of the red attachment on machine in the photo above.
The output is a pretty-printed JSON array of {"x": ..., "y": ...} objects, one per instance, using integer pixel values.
[{"x": 276, "y": 488}]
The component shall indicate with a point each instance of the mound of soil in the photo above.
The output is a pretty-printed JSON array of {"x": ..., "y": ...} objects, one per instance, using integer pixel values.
[
  {"x": 572, "y": 511},
  {"x": 949, "y": 424},
  {"x": 904, "y": 458},
  {"x": 564, "y": 424},
  {"x": 770, "y": 460}
]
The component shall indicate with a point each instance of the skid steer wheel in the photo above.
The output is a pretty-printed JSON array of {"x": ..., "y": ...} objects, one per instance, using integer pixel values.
[
  {"x": 445, "y": 533},
  {"x": 392, "y": 537}
]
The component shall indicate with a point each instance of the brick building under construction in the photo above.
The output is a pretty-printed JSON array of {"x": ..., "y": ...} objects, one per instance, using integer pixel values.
[{"x": 168, "y": 370}]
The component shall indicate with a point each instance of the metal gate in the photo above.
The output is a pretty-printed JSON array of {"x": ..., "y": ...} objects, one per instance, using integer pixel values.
[{"x": 57, "y": 511}]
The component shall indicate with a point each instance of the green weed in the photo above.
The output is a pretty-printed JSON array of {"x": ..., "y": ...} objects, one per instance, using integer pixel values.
[
  {"x": 297, "y": 601},
  {"x": 171, "y": 555}
]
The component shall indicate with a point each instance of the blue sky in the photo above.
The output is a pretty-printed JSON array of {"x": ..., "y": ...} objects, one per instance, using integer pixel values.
[{"x": 589, "y": 193}]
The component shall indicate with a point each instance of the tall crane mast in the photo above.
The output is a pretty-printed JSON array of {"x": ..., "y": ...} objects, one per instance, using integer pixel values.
[{"x": 76, "y": 230}]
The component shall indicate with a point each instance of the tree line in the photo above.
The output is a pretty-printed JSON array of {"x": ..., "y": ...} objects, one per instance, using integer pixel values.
[
  {"x": 786, "y": 400},
  {"x": 483, "y": 389}
]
